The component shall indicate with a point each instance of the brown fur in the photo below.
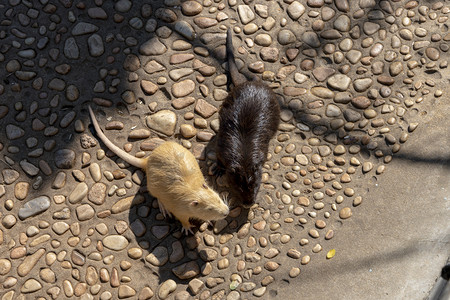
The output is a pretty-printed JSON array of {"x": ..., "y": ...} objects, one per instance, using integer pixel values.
[
  {"x": 175, "y": 179},
  {"x": 249, "y": 118}
]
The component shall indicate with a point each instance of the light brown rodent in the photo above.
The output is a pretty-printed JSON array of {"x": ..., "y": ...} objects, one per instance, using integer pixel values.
[{"x": 175, "y": 179}]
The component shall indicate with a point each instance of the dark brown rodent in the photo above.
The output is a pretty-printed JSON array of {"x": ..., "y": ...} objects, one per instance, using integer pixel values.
[
  {"x": 175, "y": 179},
  {"x": 249, "y": 118}
]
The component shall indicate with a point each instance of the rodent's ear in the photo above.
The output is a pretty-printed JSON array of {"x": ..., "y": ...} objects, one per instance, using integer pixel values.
[{"x": 194, "y": 203}]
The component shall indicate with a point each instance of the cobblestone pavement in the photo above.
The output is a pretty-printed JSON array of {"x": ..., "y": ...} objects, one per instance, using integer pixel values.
[{"x": 354, "y": 79}]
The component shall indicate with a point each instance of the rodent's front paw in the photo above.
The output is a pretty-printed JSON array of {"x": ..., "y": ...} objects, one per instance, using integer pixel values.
[
  {"x": 218, "y": 170},
  {"x": 187, "y": 229},
  {"x": 163, "y": 210}
]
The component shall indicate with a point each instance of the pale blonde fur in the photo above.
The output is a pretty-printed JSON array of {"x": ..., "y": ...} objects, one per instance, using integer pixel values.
[{"x": 175, "y": 179}]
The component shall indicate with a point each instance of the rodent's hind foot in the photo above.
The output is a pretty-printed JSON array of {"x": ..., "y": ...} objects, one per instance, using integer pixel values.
[{"x": 163, "y": 210}]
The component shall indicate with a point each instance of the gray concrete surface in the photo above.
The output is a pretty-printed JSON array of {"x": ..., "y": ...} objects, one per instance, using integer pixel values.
[{"x": 396, "y": 244}]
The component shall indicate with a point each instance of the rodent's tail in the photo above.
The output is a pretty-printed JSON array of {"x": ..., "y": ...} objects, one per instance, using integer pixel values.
[
  {"x": 236, "y": 77},
  {"x": 137, "y": 162}
]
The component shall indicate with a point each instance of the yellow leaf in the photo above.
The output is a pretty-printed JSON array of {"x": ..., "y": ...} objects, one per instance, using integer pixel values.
[
  {"x": 233, "y": 285},
  {"x": 331, "y": 253}
]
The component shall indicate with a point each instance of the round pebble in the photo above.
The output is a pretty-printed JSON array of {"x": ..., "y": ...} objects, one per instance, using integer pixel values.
[{"x": 345, "y": 213}]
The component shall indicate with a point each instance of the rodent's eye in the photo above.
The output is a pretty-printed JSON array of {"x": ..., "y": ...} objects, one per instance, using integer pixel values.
[{"x": 205, "y": 186}]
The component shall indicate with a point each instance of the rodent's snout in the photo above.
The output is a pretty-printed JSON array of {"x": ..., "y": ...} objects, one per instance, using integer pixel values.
[
  {"x": 247, "y": 200},
  {"x": 226, "y": 210}
]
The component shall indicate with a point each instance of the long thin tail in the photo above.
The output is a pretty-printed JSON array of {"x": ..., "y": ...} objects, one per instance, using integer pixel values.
[
  {"x": 137, "y": 162},
  {"x": 236, "y": 77}
]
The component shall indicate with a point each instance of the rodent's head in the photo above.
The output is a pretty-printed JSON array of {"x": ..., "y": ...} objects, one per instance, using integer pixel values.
[
  {"x": 246, "y": 184},
  {"x": 207, "y": 205}
]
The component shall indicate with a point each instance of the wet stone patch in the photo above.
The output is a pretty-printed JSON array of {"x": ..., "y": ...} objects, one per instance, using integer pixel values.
[{"x": 77, "y": 222}]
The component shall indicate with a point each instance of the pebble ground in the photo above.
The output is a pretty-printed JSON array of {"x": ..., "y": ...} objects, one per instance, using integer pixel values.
[{"x": 353, "y": 79}]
